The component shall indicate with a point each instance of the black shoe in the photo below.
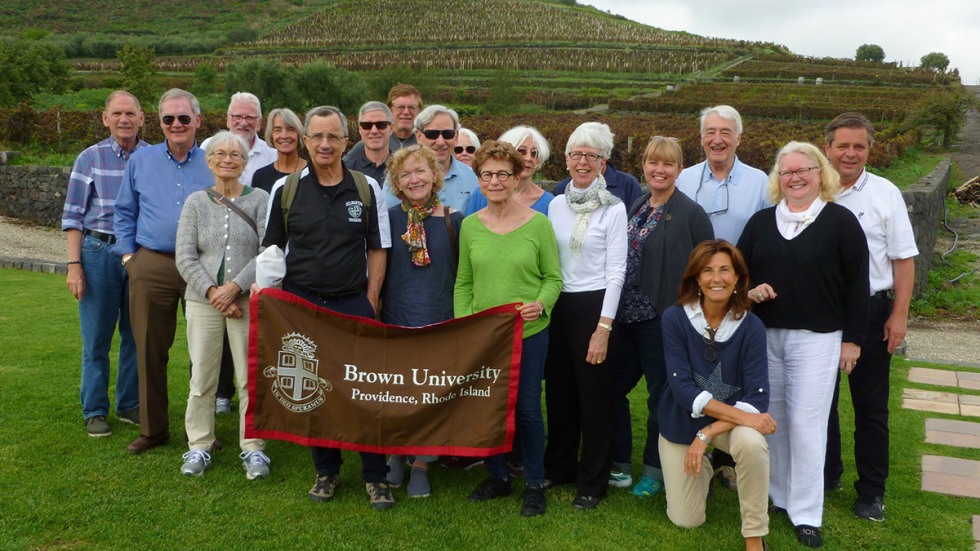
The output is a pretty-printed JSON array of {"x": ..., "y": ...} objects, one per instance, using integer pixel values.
[
  {"x": 491, "y": 488},
  {"x": 831, "y": 485},
  {"x": 534, "y": 504},
  {"x": 773, "y": 510},
  {"x": 809, "y": 536},
  {"x": 870, "y": 508},
  {"x": 584, "y": 503}
]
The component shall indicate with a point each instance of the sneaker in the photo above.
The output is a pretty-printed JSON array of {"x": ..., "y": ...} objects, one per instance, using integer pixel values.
[
  {"x": 396, "y": 470},
  {"x": 222, "y": 405},
  {"x": 871, "y": 508},
  {"x": 461, "y": 463},
  {"x": 647, "y": 487},
  {"x": 584, "y": 503},
  {"x": 97, "y": 426},
  {"x": 418, "y": 484},
  {"x": 256, "y": 464},
  {"x": 491, "y": 488},
  {"x": 380, "y": 495},
  {"x": 196, "y": 461},
  {"x": 131, "y": 417},
  {"x": 619, "y": 479},
  {"x": 534, "y": 503},
  {"x": 727, "y": 478},
  {"x": 324, "y": 487},
  {"x": 809, "y": 536}
]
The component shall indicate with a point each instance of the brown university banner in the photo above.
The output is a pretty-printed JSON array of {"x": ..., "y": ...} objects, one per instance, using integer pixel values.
[{"x": 319, "y": 378}]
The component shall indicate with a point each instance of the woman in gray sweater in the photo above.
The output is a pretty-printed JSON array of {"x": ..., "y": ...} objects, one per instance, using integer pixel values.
[{"x": 218, "y": 239}]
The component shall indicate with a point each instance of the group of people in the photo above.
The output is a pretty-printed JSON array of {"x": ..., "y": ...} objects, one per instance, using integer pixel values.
[{"x": 740, "y": 346}]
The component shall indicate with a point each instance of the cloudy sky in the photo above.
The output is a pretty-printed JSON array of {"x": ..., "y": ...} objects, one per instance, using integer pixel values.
[{"x": 905, "y": 29}]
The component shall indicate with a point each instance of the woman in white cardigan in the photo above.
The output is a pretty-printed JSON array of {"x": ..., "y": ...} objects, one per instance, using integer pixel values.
[{"x": 218, "y": 238}]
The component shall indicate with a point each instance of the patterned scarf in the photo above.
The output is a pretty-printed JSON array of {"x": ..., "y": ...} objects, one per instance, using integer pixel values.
[
  {"x": 415, "y": 234},
  {"x": 583, "y": 202}
]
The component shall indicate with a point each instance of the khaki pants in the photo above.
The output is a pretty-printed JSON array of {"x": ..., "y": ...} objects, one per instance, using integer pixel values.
[
  {"x": 205, "y": 332},
  {"x": 686, "y": 495}
]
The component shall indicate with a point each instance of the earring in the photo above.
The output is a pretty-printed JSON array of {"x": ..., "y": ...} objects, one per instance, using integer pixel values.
[
  {"x": 699, "y": 292},
  {"x": 734, "y": 291}
]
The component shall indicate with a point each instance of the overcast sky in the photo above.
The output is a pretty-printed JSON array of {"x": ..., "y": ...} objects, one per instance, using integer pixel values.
[{"x": 905, "y": 29}]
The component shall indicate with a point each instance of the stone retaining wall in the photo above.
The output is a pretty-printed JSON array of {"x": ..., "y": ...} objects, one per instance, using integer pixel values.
[
  {"x": 924, "y": 200},
  {"x": 35, "y": 193}
]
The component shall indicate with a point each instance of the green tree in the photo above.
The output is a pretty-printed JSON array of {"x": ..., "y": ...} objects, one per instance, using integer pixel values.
[
  {"x": 425, "y": 81},
  {"x": 273, "y": 82},
  {"x": 137, "y": 71},
  {"x": 937, "y": 61},
  {"x": 870, "y": 52},
  {"x": 205, "y": 80},
  {"x": 29, "y": 68},
  {"x": 320, "y": 83},
  {"x": 504, "y": 98},
  {"x": 944, "y": 112}
]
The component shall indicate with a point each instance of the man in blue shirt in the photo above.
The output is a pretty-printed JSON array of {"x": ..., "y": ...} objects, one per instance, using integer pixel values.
[
  {"x": 95, "y": 277},
  {"x": 155, "y": 186}
]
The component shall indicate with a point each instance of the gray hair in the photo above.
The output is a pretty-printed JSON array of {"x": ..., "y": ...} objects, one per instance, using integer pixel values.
[
  {"x": 326, "y": 111},
  {"x": 516, "y": 136},
  {"x": 425, "y": 118},
  {"x": 177, "y": 93},
  {"x": 596, "y": 135},
  {"x": 124, "y": 93},
  {"x": 726, "y": 112},
  {"x": 245, "y": 97},
  {"x": 289, "y": 119},
  {"x": 226, "y": 136},
  {"x": 374, "y": 106},
  {"x": 471, "y": 135}
]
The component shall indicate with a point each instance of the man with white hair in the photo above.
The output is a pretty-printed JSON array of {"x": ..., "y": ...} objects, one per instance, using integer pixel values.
[
  {"x": 727, "y": 189},
  {"x": 374, "y": 125},
  {"x": 245, "y": 119}
]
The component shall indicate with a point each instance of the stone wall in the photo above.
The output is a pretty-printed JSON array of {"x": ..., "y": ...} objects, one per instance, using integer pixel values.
[
  {"x": 924, "y": 200},
  {"x": 35, "y": 193}
]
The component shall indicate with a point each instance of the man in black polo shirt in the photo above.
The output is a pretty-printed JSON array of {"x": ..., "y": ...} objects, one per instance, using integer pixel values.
[
  {"x": 374, "y": 125},
  {"x": 329, "y": 229}
]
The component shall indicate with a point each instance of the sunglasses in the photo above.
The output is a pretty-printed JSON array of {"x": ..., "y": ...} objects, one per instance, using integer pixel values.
[
  {"x": 382, "y": 125},
  {"x": 460, "y": 149},
  {"x": 169, "y": 119},
  {"x": 434, "y": 134}
]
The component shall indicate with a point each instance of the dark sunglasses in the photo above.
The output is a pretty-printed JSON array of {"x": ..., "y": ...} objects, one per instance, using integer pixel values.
[
  {"x": 434, "y": 134},
  {"x": 709, "y": 345},
  {"x": 169, "y": 119},
  {"x": 460, "y": 149},
  {"x": 382, "y": 125}
]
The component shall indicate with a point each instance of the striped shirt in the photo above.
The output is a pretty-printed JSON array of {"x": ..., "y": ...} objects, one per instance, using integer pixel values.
[{"x": 93, "y": 186}]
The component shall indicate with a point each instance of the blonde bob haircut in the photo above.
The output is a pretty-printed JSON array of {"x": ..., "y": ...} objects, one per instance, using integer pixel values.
[
  {"x": 829, "y": 179},
  {"x": 397, "y": 161},
  {"x": 661, "y": 148}
]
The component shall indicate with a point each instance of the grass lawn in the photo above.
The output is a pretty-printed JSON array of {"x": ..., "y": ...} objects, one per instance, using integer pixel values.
[{"x": 61, "y": 489}]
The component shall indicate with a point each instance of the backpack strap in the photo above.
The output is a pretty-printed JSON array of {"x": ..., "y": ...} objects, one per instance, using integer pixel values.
[
  {"x": 452, "y": 236},
  {"x": 288, "y": 195},
  {"x": 363, "y": 188}
]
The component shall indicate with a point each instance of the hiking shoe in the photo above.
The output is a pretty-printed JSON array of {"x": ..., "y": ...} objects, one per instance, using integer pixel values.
[
  {"x": 647, "y": 487},
  {"x": 534, "y": 503},
  {"x": 619, "y": 479},
  {"x": 196, "y": 461},
  {"x": 870, "y": 508},
  {"x": 396, "y": 470},
  {"x": 256, "y": 464},
  {"x": 809, "y": 536},
  {"x": 584, "y": 503},
  {"x": 222, "y": 405},
  {"x": 97, "y": 426},
  {"x": 491, "y": 488},
  {"x": 380, "y": 495},
  {"x": 131, "y": 417},
  {"x": 727, "y": 478},
  {"x": 324, "y": 487},
  {"x": 418, "y": 484}
]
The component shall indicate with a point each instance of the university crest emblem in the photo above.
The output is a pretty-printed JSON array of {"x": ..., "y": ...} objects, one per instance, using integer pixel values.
[{"x": 297, "y": 385}]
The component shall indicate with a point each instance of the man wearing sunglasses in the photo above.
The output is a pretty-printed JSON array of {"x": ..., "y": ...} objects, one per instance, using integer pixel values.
[
  {"x": 728, "y": 190},
  {"x": 245, "y": 119},
  {"x": 436, "y": 128},
  {"x": 156, "y": 183},
  {"x": 405, "y": 102},
  {"x": 374, "y": 125}
]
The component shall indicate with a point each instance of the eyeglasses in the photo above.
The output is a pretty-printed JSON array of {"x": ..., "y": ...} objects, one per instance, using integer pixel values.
[
  {"x": 710, "y": 353},
  {"x": 800, "y": 172},
  {"x": 169, "y": 119},
  {"x": 591, "y": 157},
  {"x": 460, "y": 149},
  {"x": 723, "y": 184},
  {"x": 222, "y": 155},
  {"x": 239, "y": 118},
  {"x": 502, "y": 176},
  {"x": 332, "y": 139},
  {"x": 523, "y": 151},
  {"x": 434, "y": 134},
  {"x": 407, "y": 107},
  {"x": 382, "y": 125}
]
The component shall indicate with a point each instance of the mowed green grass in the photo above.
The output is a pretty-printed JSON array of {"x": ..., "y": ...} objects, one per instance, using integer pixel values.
[{"x": 61, "y": 489}]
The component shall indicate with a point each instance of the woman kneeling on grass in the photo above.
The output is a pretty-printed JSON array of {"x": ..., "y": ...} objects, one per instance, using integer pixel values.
[{"x": 717, "y": 391}]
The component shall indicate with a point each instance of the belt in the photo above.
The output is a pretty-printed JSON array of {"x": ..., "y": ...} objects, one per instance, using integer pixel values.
[
  {"x": 335, "y": 296},
  {"x": 887, "y": 294},
  {"x": 106, "y": 238},
  {"x": 164, "y": 253}
]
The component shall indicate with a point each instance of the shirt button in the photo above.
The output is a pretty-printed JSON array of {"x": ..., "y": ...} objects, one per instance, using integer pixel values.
[
  {"x": 229, "y": 248},
  {"x": 675, "y": 374},
  {"x": 760, "y": 390},
  {"x": 229, "y": 258}
]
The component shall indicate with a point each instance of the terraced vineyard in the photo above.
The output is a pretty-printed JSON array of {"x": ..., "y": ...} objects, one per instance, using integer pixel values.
[{"x": 791, "y": 68}]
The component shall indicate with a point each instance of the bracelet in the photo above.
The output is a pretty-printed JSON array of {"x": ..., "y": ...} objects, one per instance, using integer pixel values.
[
  {"x": 605, "y": 326},
  {"x": 70, "y": 262},
  {"x": 704, "y": 438}
]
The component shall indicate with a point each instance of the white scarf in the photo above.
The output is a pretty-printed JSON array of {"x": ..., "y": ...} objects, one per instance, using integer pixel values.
[
  {"x": 583, "y": 202},
  {"x": 790, "y": 224}
]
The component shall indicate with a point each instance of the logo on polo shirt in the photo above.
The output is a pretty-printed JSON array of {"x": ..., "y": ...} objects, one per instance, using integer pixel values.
[{"x": 355, "y": 209}]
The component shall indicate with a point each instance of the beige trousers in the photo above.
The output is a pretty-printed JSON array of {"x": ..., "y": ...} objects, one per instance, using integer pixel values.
[
  {"x": 205, "y": 333},
  {"x": 686, "y": 495}
]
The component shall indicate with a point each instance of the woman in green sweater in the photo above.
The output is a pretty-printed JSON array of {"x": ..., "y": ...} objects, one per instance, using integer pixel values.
[{"x": 508, "y": 253}]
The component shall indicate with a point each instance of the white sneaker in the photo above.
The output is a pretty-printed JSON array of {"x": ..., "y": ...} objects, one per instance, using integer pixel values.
[
  {"x": 222, "y": 405},
  {"x": 196, "y": 461},
  {"x": 619, "y": 479},
  {"x": 256, "y": 464}
]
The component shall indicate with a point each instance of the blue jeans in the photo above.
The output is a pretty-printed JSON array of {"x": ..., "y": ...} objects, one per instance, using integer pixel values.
[
  {"x": 528, "y": 416},
  {"x": 104, "y": 304}
]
